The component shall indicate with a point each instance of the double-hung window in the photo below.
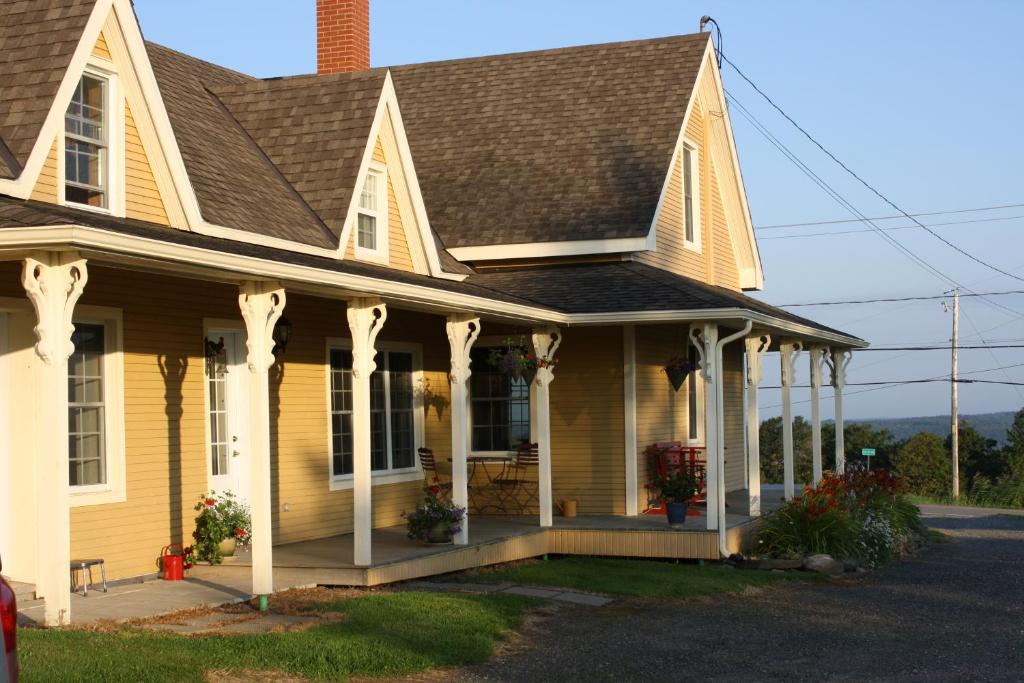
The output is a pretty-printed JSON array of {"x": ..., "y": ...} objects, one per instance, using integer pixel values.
[
  {"x": 372, "y": 215},
  {"x": 500, "y": 406},
  {"x": 86, "y": 147},
  {"x": 693, "y": 398},
  {"x": 392, "y": 412},
  {"x": 690, "y": 182},
  {"x": 87, "y": 461}
]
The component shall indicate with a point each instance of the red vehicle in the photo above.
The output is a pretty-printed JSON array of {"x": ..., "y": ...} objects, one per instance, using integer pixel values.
[{"x": 8, "y": 631}]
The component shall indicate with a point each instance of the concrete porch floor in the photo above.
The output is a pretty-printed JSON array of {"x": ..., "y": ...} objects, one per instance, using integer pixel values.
[{"x": 328, "y": 561}]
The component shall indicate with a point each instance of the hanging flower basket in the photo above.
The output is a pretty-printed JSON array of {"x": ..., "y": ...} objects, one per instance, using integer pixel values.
[
  {"x": 517, "y": 362},
  {"x": 677, "y": 370}
]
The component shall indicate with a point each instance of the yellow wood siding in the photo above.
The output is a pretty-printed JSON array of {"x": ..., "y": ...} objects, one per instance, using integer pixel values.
[
  {"x": 46, "y": 186},
  {"x": 100, "y": 49},
  {"x": 399, "y": 255},
  {"x": 735, "y": 438},
  {"x": 142, "y": 197}
]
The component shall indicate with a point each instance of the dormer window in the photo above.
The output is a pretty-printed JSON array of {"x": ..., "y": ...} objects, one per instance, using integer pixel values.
[
  {"x": 372, "y": 217},
  {"x": 691, "y": 196},
  {"x": 86, "y": 147}
]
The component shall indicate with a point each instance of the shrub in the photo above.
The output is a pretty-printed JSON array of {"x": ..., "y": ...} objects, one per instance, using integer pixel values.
[{"x": 925, "y": 465}]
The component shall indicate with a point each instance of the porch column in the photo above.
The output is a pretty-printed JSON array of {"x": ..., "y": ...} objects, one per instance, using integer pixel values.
[
  {"x": 53, "y": 282},
  {"x": 756, "y": 348},
  {"x": 545, "y": 344},
  {"x": 366, "y": 318},
  {"x": 705, "y": 338},
  {"x": 817, "y": 356},
  {"x": 463, "y": 329},
  {"x": 629, "y": 419},
  {"x": 840, "y": 360},
  {"x": 789, "y": 352},
  {"x": 261, "y": 304}
]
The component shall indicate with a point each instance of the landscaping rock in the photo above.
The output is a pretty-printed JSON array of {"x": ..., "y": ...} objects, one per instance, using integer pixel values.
[
  {"x": 771, "y": 563},
  {"x": 823, "y": 564},
  {"x": 851, "y": 564}
]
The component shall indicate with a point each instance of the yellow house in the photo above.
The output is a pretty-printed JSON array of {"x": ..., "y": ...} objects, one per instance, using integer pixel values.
[{"x": 286, "y": 288}]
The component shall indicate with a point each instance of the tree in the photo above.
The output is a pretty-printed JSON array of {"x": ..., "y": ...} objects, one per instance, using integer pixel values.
[
  {"x": 856, "y": 437},
  {"x": 978, "y": 455},
  {"x": 925, "y": 464},
  {"x": 772, "y": 471},
  {"x": 1014, "y": 449}
]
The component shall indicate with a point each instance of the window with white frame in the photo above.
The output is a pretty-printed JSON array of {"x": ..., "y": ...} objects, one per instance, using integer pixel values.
[
  {"x": 693, "y": 397},
  {"x": 691, "y": 196},
  {"x": 96, "y": 457},
  {"x": 371, "y": 219},
  {"x": 86, "y": 147},
  {"x": 500, "y": 406},
  {"x": 392, "y": 412}
]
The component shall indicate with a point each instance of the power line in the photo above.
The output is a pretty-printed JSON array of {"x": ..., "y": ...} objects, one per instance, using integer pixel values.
[
  {"x": 861, "y": 180},
  {"x": 901, "y": 298},
  {"x": 971, "y": 347},
  {"x": 777, "y": 226},
  {"x": 926, "y": 380},
  {"x": 898, "y": 227}
]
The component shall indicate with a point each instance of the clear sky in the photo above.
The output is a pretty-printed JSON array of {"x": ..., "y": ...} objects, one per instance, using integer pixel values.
[{"x": 922, "y": 98}]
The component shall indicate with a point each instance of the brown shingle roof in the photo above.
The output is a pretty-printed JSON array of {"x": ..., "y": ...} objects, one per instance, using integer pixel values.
[
  {"x": 314, "y": 129},
  {"x": 237, "y": 186},
  {"x": 564, "y": 144},
  {"x": 37, "y": 41}
]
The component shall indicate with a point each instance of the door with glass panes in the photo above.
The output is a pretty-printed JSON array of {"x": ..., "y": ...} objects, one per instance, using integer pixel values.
[{"x": 227, "y": 454}]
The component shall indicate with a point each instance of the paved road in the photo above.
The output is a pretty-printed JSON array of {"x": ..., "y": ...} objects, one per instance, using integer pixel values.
[{"x": 954, "y": 613}]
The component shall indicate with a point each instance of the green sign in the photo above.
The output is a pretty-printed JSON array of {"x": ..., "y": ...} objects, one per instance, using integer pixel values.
[{"x": 867, "y": 451}]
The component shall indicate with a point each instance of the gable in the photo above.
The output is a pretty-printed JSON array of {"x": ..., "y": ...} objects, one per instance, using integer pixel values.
[{"x": 726, "y": 253}]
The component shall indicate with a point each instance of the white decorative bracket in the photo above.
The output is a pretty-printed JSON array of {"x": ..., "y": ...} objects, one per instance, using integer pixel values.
[
  {"x": 837, "y": 363},
  {"x": 546, "y": 341},
  {"x": 756, "y": 348},
  {"x": 262, "y": 304},
  {"x": 463, "y": 330},
  {"x": 819, "y": 359},
  {"x": 705, "y": 339},
  {"x": 366, "y": 317},
  {"x": 54, "y": 283},
  {"x": 790, "y": 351}
]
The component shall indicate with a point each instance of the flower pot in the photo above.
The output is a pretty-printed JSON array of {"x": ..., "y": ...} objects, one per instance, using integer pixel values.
[
  {"x": 439, "y": 534},
  {"x": 677, "y": 375},
  {"x": 676, "y": 513},
  {"x": 569, "y": 508},
  {"x": 227, "y": 547}
]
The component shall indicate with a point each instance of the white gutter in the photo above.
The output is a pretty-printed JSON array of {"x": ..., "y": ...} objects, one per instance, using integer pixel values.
[
  {"x": 720, "y": 441},
  {"x": 78, "y": 236}
]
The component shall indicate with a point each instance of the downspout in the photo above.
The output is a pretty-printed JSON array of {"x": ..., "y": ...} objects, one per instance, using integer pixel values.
[{"x": 719, "y": 455}]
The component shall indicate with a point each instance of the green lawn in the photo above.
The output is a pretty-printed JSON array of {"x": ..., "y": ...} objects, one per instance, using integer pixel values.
[
  {"x": 639, "y": 578},
  {"x": 387, "y": 634}
]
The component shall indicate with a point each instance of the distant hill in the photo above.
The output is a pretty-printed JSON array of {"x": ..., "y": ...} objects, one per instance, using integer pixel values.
[{"x": 992, "y": 425}]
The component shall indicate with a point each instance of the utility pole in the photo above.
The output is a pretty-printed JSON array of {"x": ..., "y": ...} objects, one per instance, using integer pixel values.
[{"x": 954, "y": 415}]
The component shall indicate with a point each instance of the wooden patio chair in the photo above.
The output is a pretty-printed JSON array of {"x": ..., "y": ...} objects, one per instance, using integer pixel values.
[
  {"x": 519, "y": 484},
  {"x": 429, "y": 464}
]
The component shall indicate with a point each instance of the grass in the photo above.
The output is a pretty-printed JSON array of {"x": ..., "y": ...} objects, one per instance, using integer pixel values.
[
  {"x": 638, "y": 578},
  {"x": 387, "y": 634},
  {"x": 936, "y": 536},
  {"x": 962, "y": 501}
]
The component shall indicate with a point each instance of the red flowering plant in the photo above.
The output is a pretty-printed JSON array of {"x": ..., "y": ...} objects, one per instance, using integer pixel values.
[
  {"x": 221, "y": 516},
  {"x": 514, "y": 359}
]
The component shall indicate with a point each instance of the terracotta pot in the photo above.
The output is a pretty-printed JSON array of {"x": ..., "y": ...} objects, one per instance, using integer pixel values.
[{"x": 227, "y": 547}]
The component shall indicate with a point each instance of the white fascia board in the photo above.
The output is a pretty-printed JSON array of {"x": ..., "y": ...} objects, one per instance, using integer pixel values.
[
  {"x": 496, "y": 252},
  {"x": 82, "y": 237}
]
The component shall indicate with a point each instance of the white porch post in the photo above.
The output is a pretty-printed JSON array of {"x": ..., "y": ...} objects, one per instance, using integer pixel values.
[
  {"x": 53, "y": 282},
  {"x": 463, "y": 329},
  {"x": 545, "y": 344},
  {"x": 840, "y": 360},
  {"x": 705, "y": 340},
  {"x": 788, "y": 352},
  {"x": 756, "y": 348},
  {"x": 261, "y": 304},
  {"x": 629, "y": 419},
  {"x": 366, "y": 317},
  {"x": 817, "y": 356}
]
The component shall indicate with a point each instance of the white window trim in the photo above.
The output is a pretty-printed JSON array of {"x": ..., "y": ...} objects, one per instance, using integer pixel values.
[
  {"x": 115, "y": 488},
  {"x": 380, "y": 254},
  {"x": 490, "y": 342},
  {"x": 694, "y": 148},
  {"x": 115, "y": 187},
  {"x": 343, "y": 482}
]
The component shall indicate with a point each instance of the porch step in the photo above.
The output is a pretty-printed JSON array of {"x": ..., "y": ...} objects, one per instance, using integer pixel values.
[{"x": 23, "y": 592}]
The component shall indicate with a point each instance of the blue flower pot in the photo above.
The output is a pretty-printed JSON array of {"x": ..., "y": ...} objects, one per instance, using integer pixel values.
[{"x": 676, "y": 513}]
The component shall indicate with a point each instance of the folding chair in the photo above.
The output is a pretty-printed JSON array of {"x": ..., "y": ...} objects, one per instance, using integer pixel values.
[
  {"x": 429, "y": 464},
  {"x": 519, "y": 485}
]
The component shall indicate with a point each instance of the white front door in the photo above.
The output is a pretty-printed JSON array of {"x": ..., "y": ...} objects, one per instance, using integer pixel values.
[
  {"x": 6, "y": 477},
  {"x": 226, "y": 386}
]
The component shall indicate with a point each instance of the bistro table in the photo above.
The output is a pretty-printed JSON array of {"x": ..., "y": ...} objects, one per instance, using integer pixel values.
[{"x": 483, "y": 493}]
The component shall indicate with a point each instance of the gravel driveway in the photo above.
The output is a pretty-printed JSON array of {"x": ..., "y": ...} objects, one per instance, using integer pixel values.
[{"x": 956, "y": 612}]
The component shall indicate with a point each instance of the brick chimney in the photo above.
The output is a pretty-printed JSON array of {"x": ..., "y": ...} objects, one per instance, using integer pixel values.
[{"x": 342, "y": 36}]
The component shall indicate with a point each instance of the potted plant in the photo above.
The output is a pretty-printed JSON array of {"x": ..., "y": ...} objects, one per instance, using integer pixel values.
[
  {"x": 517, "y": 362},
  {"x": 436, "y": 520},
  {"x": 676, "y": 489},
  {"x": 677, "y": 368},
  {"x": 222, "y": 525}
]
